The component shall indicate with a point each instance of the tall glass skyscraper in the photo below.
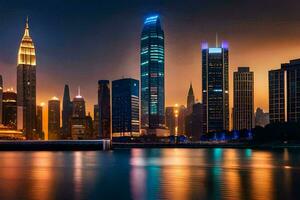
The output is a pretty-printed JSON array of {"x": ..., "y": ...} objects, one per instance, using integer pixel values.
[
  {"x": 152, "y": 74},
  {"x": 215, "y": 88},
  {"x": 67, "y": 110}
]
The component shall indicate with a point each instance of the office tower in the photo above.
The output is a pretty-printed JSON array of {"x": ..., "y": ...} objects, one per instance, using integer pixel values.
[
  {"x": 243, "y": 99},
  {"x": 194, "y": 123},
  {"x": 293, "y": 90},
  {"x": 284, "y": 93},
  {"x": 39, "y": 121},
  {"x": 96, "y": 121},
  {"x": 78, "y": 106},
  {"x": 10, "y": 109},
  {"x": 152, "y": 75},
  {"x": 215, "y": 92},
  {"x": 125, "y": 107},
  {"x": 276, "y": 95},
  {"x": 190, "y": 100},
  {"x": 182, "y": 113},
  {"x": 89, "y": 127},
  {"x": 261, "y": 118},
  {"x": 1, "y": 100},
  {"x": 171, "y": 120},
  {"x": 104, "y": 109},
  {"x": 67, "y": 110},
  {"x": 26, "y": 85},
  {"x": 54, "y": 119}
]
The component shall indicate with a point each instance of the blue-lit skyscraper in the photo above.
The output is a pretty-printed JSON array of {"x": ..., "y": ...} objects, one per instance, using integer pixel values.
[
  {"x": 215, "y": 92},
  {"x": 152, "y": 74},
  {"x": 125, "y": 107}
]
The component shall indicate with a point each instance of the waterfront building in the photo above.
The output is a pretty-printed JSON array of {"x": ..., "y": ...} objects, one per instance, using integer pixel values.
[
  {"x": 54, "y": 119},
  {"x": 104, "y": 109},
  {"x": 284, "y": 93},
  {"x": 171, "y": 120},
  {"x": 125, "y": 107},
  {"x": 276, "y": 95},
  {"x": 96, "y": 121},
  {"x": 78, "y": 120},
  {"x": 182, "y": 113},
  {"x": 67, "y": 110},
  {"x": 9, "y": 112},
  {"x": 152, "y": 76},
  {"x": 243, "y": 99},
  {"x": 26, "y": 85},
  {"x": 194, "y": 123},
  {"x": 215, "y": 88},
  {"x": 39, "y": 121},
  {"x": 261, "y": 118}
]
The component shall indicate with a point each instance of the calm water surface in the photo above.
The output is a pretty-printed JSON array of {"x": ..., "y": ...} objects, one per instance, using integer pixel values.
[{"x": 151, "y": 174}]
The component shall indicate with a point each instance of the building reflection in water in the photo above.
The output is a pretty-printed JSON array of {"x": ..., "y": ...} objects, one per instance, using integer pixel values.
[
  {"x": 77, "y": 176},
  {"x": 261, "y": 170}
]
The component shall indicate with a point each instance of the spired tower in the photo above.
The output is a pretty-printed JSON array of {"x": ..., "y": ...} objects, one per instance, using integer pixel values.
[
  {"x": 26, "y": 85},
  {"x": 190, "y": 99}
]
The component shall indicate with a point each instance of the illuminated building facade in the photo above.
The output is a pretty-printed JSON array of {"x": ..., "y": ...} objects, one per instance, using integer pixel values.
[
  {"x": 54, "y": 119},
  {"x": 152, "y": 74},
  {"x": 78, "y": 120},
  {"x": 215, "y": 88},
  {"x": 104, "y": 109},
  {"x": 125, "y": 107},
  {"x": 26, "y": 85},
  {"x": 9, "y": 109},
  {"x": 243, "y": 99}
]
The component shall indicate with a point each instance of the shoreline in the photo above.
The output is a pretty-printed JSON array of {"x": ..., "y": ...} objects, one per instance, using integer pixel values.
[{"x": 102, "y": 145}]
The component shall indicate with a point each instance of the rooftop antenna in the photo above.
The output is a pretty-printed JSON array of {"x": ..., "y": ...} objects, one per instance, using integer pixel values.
[{"x": 78, "y": 90}]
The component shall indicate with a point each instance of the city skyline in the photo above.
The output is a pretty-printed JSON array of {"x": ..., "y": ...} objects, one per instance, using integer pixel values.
[{"x": 49, "y": 64}]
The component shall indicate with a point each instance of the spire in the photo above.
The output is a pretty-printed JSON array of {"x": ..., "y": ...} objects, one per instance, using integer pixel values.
[
  {"x": 26, "y": 54},
  {"x": 191, "y": 91},
  {"x": 217, "y": 42},
  {"x": 26, "y": 33},
  {"x": 78, "y": 95}
]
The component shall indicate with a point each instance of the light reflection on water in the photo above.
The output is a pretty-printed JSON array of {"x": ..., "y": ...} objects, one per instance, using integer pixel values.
[{"x": 151, "y": 174}]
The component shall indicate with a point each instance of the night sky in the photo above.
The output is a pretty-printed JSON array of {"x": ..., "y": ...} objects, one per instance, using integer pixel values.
[{"x": 80, "y": 42}]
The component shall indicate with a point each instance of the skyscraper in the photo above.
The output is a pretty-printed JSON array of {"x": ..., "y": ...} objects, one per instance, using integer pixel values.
[
  {"x": 54, "y": 119},
  {"x": 39, "y": 121},
  {"x": 284, "y": 93},
  {"x": 66, "y": 113},
  {"x": 182, "y": 113},
  {"x": 215, "y": 91},
  {"x": 96, "y": 121},
  {"x": 171, "y": 119},
  {"x": 78, "y": 120},
  {"x": 10, "y": 109},
  {"x": 152, "y": 75},
  {"x": 243, "y": 99},
  {"x": 276, "y": 95},
  {"x": 104, "y": 109},
  {"x": 1, "y": 100},
  {"x": 125, "y": 107},
  {"x": 26, "y": 85},
  {"x": 194, "y": 123},
  {"x": 190, "y": 100}
]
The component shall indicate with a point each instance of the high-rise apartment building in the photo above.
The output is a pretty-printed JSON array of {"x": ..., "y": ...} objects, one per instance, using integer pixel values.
[{"x": 54, "y": 119}]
